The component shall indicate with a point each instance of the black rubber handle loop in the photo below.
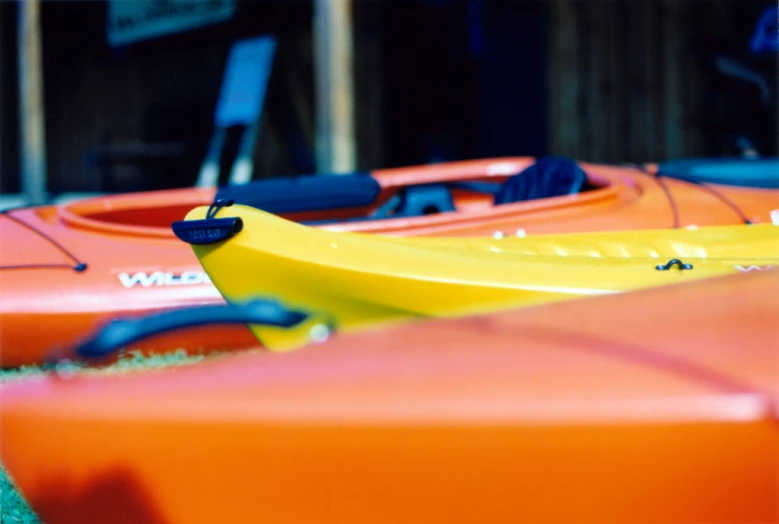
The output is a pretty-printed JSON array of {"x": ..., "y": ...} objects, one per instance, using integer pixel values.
[
  {"x": 671, "y": 263},
  {"x": 118, "y": 334}
]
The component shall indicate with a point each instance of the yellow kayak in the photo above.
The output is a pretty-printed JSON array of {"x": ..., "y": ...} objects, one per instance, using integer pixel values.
[{"x": 360, "y": 280}]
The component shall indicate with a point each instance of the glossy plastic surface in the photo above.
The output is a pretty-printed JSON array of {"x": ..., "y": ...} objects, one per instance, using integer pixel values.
[
  {"x": 650, "y": 406},
  {"x": 362, "y": 280}
]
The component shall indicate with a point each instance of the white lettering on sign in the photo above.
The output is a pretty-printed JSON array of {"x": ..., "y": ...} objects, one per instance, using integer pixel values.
[
  {"x": 129, "y": 21},
  {"x": 163, "y": 278},
  {"x": 775, "y": 217}
]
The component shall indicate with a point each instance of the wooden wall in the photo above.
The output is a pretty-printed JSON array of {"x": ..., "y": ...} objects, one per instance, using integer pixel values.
[
  {"x": 9, "y": 105},
  {"x": 626, "y": 79},
  {"x": 164, "y": 91},
  {"x": 625, "y": 83}
]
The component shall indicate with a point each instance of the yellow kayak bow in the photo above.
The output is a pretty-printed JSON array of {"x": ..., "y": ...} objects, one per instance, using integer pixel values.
[{"x": 360, "y": 280}]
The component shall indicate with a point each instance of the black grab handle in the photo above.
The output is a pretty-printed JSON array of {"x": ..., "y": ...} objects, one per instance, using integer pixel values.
[
  {"x": 671, "y": 263},
  {"x": 122, "y": 332}
]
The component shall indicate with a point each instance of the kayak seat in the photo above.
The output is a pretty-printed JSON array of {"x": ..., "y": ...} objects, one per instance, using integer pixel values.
[
  {"x": 548, "y": 177},
  {"x": 412, "y": 201},
  {"x": 305, "y": 193}
]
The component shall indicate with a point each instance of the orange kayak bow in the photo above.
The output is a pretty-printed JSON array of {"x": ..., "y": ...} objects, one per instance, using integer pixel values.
[{"x": 654, "y": 406}]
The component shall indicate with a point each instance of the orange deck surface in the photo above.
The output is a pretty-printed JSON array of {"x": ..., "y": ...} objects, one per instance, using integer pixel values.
[{"x": 650, "y": 406}]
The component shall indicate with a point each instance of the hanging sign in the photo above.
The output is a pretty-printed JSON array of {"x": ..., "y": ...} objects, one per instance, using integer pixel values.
[
  {"x": 133, "y": 20},
  {"x": 245, "y": 81}
]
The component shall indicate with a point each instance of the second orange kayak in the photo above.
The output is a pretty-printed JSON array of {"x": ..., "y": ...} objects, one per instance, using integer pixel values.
[{"x": 67, "y": 269}]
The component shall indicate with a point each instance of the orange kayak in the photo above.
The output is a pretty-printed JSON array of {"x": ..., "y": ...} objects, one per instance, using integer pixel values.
[
  {"x": 651, "y": 406},
  {"x": 133, "y": 264}
]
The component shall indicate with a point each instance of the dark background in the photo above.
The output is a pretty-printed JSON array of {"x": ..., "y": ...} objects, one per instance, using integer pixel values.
[{"x": 599, "y": 80}]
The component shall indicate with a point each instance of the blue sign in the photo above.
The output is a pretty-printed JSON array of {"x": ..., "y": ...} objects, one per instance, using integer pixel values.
[
  {"x": 245, "y": 81},
  {"x": 133, "y": 20}
]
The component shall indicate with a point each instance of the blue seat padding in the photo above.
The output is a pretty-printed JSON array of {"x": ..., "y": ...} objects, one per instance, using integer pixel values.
[
  {"x": 548, "y": 177},
  {"x": 745, "y": 172},
  {"x": 412, "y": 201},
  {"x": 305, "y": 193},
  {"x": 425, "y": 199}
]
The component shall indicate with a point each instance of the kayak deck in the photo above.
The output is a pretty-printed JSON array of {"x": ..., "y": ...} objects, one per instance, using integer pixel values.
[
  {"x": 616, "y": 408},
  {"x": 358, "y": 280}
]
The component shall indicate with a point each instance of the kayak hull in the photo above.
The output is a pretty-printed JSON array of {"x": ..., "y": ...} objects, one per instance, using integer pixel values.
[
  {"x": 358, "y": 281},
  {"x": 617, "y": 408}
]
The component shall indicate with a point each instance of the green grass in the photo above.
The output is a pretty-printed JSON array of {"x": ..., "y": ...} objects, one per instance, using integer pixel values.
[
  {"x": 13, "y": 507},
  {"x": 127, "y": 361}
]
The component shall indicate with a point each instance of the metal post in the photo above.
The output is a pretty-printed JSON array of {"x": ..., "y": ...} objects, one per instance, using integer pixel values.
[
  {"x": 333, "y": 62},
  {"x": 31, "y": 116}
]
